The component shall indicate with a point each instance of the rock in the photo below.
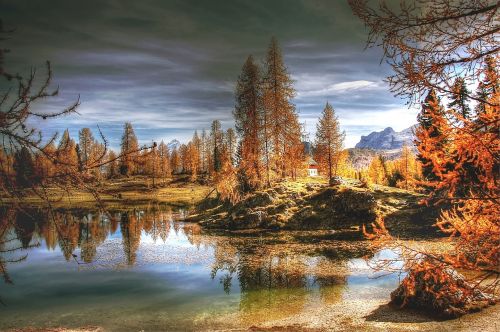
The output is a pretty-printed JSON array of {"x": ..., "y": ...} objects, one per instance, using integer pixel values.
[
  {"x": 312, "y": 186},
  {"x": 280, "y": 189},
  {"x": 355, "y": 203},
  {"x": 260, "y": 199},
  {"x": 336, "y": 181},
  {"x": 441, "y": 290},
  {"x": 255, "y": 219}
]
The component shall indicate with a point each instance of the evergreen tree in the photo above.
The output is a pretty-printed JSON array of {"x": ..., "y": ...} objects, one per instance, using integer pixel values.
[
  {"x": 488, "y": 91},
  {"x": 196, "y": 152},
  {"x": 112, "y": 165},
  {"x": 329, "y": 141},
  {"x": 175, "y": 161},
  {"x": 204, "y": 151},
  {"x": 183, "y": 158},
  {"x": 163, "y": 155},
  {"x": 430, "y": 133},
  {"x": 129, "y": 148},
  {"x": 230, "y": 144},
  {"x": 217, "y": 138},
  {"x": 86, "y": 144},
  {"x": 248, "y": 123},
  {"x": 24, "y": 168},
  {"x": 459, "y": 98},
  {"x": 281, "y": 120},
  {"x": 45, "y": 161},
  {"x": 377, "y": 171},
  {"x": 66, "y": 153},
  {"x": 491, "y": 80}
]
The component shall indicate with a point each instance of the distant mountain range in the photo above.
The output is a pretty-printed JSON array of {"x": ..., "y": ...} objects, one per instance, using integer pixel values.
[
  {"x": 387, "y": 139},
  {"x": 173, "y": 144}
]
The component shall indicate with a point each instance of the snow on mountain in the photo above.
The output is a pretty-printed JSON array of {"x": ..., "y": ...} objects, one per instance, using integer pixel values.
[
  {"x": 173, "y": 144},
  {"x": 387, "y": 139}
]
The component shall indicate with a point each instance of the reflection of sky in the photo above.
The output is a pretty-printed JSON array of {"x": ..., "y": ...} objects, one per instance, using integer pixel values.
[{"x": 170, "y": 283}]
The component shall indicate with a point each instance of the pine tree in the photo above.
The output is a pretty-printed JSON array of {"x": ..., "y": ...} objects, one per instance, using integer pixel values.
[
  {"x": 129, "y": 148},
  {"x": 204, "y": 151},
  {"x": 24, "y": 168},
  {"x": 488, "y": 92},
  {"x": 459, "y": 98},
  {"x": 230, "y": 144},
  {"x": 225, "y": 179},
  {"x": 86, "y": 144},
  {"x": 192, "y": 160},
  {"x": 249, "y": 125},
  {"x": 112, "y": 165},
  {"x": 175, "y": 161},
  {"x": 431, "y": 134},
  {"x": 164, "y": 161},
  {"x": 45, "y": 161},
  {"x": 295, "y": 158},
  {"x": 408, "y": 168},
  {"x": 280, "y": 117},
  {"x": 329, "y": 141},
  {"x": 66, "y": 153},
  {"x": 183, "y": 158},
  {"x": 377, "y": 171},
  {"x": 491, "y": 80},
  {"x": 217, "y": 139},
  {"x": 196, "y": 151}
]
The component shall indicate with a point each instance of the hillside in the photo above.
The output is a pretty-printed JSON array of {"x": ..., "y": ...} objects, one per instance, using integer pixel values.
[{"x": 303, "y": 205}]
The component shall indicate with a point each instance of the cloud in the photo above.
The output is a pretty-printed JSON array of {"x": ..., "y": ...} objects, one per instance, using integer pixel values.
[
  {"x": 311, "y": 87},
  {"x": 170, "y": 66}
]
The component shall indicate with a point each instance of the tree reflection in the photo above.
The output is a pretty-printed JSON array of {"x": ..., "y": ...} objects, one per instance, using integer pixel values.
[
  {"x": 276, "y": 274},
  {"x": 277, "y": 279},
  {"x": 15, "y": 234},
  {"x": 131, "y": 235},
  {"x": 80, "y": 233}
]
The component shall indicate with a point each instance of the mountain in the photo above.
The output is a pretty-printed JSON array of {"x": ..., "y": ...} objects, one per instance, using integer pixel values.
[
  {"x": 387, "y": 139},
  {"x": 173, "y": 144}
]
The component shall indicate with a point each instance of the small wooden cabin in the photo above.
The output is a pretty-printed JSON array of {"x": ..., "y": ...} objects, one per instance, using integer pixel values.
[{"x": 312, "y": 168}]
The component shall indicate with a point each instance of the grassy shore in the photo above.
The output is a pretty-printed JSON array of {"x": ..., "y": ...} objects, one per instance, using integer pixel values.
[{"x": 123, "y": 191}]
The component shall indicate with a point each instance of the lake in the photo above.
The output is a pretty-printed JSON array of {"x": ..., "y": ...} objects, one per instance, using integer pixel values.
[{"x": 145, "y": 269}]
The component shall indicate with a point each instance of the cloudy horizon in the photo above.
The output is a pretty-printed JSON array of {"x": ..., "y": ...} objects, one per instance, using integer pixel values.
[{"x": 170, "y": 67}]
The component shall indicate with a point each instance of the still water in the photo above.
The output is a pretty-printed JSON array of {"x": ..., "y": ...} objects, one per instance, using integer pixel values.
[{"x": 146, "y": 269}]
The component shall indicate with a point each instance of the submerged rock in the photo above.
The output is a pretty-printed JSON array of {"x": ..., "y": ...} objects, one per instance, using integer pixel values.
[{"x": 441, "y": 290}]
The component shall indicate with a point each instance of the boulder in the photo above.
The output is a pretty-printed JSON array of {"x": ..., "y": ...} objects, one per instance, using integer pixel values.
[
  {"x": 259, "y": 199},
  {"x": 336, "y": 181},
  {"x": 254, "y": 219}
]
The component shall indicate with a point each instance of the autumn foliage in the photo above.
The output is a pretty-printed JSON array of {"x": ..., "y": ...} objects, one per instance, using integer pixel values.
[{"x": 458, "y": 147}]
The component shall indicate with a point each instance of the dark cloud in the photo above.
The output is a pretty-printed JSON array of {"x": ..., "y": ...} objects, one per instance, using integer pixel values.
[{"x": 170, "y": 66}]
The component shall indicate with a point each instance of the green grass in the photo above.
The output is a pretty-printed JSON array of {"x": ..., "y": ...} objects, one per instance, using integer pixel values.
[{"x": 131, "y": 190}]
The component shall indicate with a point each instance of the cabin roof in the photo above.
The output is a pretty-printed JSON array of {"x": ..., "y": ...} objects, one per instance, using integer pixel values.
[{"x": 311, "y": 162}]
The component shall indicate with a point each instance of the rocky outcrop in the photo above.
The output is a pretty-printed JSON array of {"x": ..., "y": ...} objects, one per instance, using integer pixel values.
[
  {"x": 298, "y": 206},
  {"x": 387, "y": 139}
]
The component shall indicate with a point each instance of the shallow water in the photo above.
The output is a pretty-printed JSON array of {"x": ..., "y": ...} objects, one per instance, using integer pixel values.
[{"x": 145, "y": 269}]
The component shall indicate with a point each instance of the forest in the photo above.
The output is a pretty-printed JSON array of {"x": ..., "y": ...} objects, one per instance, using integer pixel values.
[{"x": 241, "y": 199}]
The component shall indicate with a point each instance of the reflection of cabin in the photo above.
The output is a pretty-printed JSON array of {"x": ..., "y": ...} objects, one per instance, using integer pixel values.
[{"x": 312, "y": 167}]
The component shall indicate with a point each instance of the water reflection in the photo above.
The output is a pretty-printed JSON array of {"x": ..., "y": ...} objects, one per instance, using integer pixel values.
[{"x": 179, "y": 268}]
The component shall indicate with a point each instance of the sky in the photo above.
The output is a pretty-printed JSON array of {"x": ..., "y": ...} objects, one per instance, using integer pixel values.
[{"x": 170, "y": 67}]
